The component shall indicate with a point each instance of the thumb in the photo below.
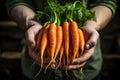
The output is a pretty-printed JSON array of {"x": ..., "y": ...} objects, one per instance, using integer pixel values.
[
  {"x": 30, "y": 38},
  {"x": 92, "y": 41}
]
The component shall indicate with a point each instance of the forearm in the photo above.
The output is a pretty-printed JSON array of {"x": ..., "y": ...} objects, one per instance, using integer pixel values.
[
  {"x": 103, "y": 16},
  {"x": 22, "y": 15}
]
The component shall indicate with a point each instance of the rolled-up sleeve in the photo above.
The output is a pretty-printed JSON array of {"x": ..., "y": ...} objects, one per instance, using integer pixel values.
[
  {"x": 111, "y": 4},
  {"x": 10, "y": 4}
]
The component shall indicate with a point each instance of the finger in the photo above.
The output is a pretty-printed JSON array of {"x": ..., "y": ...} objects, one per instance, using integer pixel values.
[
  {"x": 76, "y": 66},
  {"x": 87, "y": 55},
  {"x": 92, "y": 40},
  {"x": 78, "y": 61},
  {"x": 89, "y": 45},
  {"x": 30, "y": 37}
]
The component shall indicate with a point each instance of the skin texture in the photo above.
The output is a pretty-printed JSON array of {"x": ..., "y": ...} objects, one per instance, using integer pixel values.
[{"x": 24, "y": 15}]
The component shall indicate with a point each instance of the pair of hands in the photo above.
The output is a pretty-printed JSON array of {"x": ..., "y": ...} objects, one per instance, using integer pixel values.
[{"x": 91, "y": 41}]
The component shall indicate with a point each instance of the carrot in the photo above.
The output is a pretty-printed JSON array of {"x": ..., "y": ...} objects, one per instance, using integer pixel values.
[
  {"x": 52, "y": 42},
  {"x": 66, "y": 40},
  {"x": 61, "y": 54},
  {"x": 81, "y": 40},
  {"x": 59, "y": 40},
  {"x": 38, "y": 38},
  {"x": 43, "y": 44},
  {"x": 52, "y": 39},
  {"x": 70, "y": 49},
  {"x": 81, "y": 44},
  {"x": 75, "y": 39}
]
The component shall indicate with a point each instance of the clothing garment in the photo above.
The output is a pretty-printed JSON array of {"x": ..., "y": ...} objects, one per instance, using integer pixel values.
[
  {"x": 93, "y": 65},
  {"x": 39, "y": 4}
]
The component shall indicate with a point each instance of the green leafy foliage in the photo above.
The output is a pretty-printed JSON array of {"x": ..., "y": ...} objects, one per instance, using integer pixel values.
[{"x": 71, "y": 11}]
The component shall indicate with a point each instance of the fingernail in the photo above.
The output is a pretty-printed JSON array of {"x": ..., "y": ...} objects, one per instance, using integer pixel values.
[
  {"x": 90, "y": 45},
  {"x": 87, "y": 46}
]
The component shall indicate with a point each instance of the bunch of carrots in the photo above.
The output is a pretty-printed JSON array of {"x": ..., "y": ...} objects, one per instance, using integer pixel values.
[{"x": 61, "y": 38}]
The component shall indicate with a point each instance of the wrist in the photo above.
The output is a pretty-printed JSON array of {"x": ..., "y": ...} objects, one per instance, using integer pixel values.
[{"x": 92, "y": 23}]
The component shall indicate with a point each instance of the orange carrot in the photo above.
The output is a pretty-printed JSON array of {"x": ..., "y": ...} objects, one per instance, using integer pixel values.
[
  {"x": 75, "y": 39},
  {"x": 38, "y": 38},
  {"x": 66, "y": 40},
  {"x": 81, "y": 40},
  {"x": 52, "y": 42},
  {"x": 61, "y": 54},
  {"x": 52, "y": 39},
  {"x": 59, "y": 41},
  {"x": 38, "y": 41},
  {"x": 43, "y": 44}
]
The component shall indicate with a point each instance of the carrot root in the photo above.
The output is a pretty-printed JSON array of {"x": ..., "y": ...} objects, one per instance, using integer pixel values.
[
  {"x": 52, "y": 43},
  {"x": 75, "y": 39}
]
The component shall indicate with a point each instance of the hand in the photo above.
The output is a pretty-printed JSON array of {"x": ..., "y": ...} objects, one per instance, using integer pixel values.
[
  {"x": 30, "y": 39},
  {"x": 91, "y": 37}
]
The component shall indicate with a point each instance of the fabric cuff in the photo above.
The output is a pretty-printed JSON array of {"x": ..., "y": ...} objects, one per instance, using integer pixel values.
[
  {"x": 111, "y": 6},
  {"x": 11, "y": 6}
]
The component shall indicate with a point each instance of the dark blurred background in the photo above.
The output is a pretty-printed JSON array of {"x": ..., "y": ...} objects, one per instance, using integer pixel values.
[{"x": 12, "y": 46}]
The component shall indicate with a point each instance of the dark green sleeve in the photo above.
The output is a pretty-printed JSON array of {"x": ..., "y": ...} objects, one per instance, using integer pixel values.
[
  {"x": 12, "y": 3},
  {"x": 111, "y": 4}
]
